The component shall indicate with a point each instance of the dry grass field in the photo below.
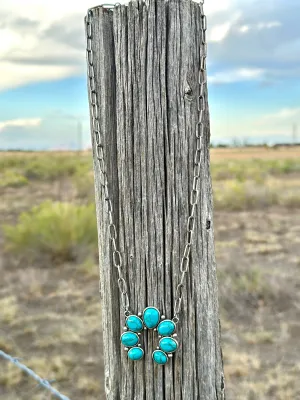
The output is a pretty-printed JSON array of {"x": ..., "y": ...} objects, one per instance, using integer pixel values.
[
  {"x": 49, "y": 303},
  {"x": 260, "y": 152}
]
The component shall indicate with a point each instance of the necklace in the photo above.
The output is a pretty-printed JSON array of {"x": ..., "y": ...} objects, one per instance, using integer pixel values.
[{"x": 151, "y": 317}]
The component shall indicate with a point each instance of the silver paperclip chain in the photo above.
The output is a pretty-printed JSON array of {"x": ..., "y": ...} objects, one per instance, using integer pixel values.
[
  {"x": 99, "y": 140},
  {"x": 202, "y": 79}
]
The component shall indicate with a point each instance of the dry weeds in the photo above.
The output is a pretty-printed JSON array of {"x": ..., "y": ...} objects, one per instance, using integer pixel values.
[{"x": 52, "y": 315}]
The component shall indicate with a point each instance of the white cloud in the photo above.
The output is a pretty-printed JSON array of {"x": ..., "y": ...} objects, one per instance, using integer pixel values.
[
  {"x": 237, "y": 75},
  {"x": 50, "y": 45},
  {"x": 264, "y": 38},
  {"x": 219, "y": 32},
  {"x": 14, "y": 75},
  {"x": 244, "y": 28},
  {"x": 47, "y": 10},
  {"x": 279, "y": 122},
  {"x": 9, "y": 39},
  {"x": 30, "y": 51},
  {"x": 20, "y": 123},
  {"x": 282, "y": 115},
  {"x": 278, "y": 125},
  {"x": 259, "y": 26},
  {"x": 40, "y": 40},
  {"x": 268, "y": 25},
  {"x": 215, "y": 6}
]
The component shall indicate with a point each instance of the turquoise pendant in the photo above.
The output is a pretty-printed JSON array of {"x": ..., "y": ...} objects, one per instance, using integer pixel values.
[{"x": 152, "y": 319}]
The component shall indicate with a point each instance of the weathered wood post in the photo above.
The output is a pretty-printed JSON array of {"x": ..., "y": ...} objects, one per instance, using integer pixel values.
[{"x": 146, "y": 60}]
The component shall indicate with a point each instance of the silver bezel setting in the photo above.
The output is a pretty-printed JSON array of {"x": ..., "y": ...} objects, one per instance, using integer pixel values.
[
  {"x": 166, "y": 320},
  {"x": 158, "y": 317},
  {"x": 125, "y": 333},
  {"x": 133, "y": 315},
  {"x": 168, "y": 337},
  {"x": 164, "y": 354},
  {"x": 138, "y": 347}
]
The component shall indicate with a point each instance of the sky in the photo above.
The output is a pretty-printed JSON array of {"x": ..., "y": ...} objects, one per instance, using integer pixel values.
[{"x": 253, "y": 72}]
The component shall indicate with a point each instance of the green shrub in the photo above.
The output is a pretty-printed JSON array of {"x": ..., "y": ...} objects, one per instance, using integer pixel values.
[
  {"x": 8, "y": 162},
  {"x": 291, "y": 199},
  {"x": 242, "y": 288},
  {"x": 234, "y": 195},
  {"x": 61, "y": 231},
  {"x": 50, "y": 168},
  {"x": 250, "y": 281},
  {"x": 83, "y": 181},
  {"x": 46, "y": 166},
  {"x": 11, "y": 178},
  {"x": 255, "y": 169}
]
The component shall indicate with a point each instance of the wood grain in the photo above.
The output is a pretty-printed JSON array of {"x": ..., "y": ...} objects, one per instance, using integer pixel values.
[{"x": 147, "y": 58}]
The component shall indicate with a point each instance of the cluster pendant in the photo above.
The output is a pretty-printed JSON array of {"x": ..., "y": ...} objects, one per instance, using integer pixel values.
[{"x": 150, "y": 319}]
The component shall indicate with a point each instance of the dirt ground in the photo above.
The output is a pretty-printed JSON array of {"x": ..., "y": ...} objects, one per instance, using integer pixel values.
[
  {"x": 51, "y": 316},
  {"x": 258, "y": 256}
]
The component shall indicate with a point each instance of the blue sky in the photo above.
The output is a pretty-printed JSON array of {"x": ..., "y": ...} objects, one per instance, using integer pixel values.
[{"x": 253, "y": 72}]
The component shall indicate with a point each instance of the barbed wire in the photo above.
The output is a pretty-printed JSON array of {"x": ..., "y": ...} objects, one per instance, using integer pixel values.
[{"x": 43, "y": 382}]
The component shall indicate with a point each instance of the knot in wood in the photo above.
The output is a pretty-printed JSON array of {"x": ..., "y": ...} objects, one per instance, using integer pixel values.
[{"x": 188, "y": 92}]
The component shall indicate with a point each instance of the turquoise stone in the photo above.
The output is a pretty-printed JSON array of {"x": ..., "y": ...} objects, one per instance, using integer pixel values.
[
  {"x": 160, "y": 357},
  {"x": 167, "y": 344},
  {"x": 166, "y": 328},
  {"x": 151, "y": 317},
  {"x": 136, "y": 353},
  {"x": 129, "y": 339},
  {"x": 134, "y": 323}
]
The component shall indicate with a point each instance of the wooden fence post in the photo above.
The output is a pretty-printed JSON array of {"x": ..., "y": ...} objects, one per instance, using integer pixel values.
[{"x": 146, "y": 60}]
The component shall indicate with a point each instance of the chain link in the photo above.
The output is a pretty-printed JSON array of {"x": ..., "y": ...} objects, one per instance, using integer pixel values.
[
  {"x": 184, "y": 266},
  {"x": 99, "y": 140}
]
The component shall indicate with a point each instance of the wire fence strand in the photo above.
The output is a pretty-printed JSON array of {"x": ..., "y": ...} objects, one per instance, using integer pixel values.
[{"x": 43, "y": 382}]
